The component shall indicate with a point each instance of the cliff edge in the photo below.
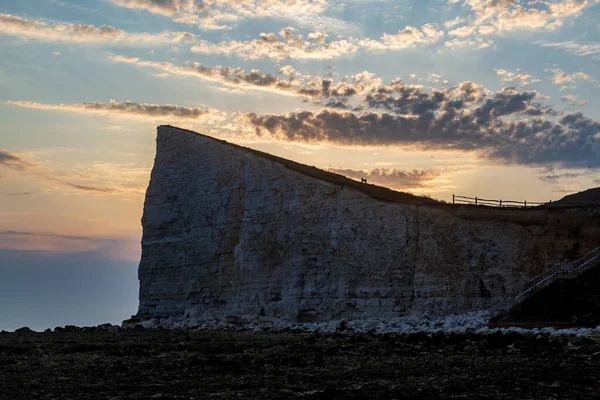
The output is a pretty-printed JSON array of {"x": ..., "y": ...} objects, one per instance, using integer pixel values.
[{"x": 230, "y": 231}]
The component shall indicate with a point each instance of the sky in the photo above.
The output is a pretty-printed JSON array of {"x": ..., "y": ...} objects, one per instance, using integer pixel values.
[{"x": 491, "y": 98}]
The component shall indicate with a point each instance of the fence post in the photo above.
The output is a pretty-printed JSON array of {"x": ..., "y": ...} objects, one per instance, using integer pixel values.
[
  {"x": 475, "y": 200},
  {"x": 452, "y": 198},
  {"x": 525, "y": 202},
  {"x": 500, "y": 203}
]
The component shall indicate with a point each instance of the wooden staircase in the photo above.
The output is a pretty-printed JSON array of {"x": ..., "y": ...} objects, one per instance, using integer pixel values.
[
  {"x": 562, "y": 270},
  {"x": 566, "y": 294}
]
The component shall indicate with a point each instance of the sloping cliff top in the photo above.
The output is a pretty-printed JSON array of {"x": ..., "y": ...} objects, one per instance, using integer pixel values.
[
  {"x": 590, "y": 197},
  {"x": 585, "y": 199},
  {"x": 377, "y": 192}
]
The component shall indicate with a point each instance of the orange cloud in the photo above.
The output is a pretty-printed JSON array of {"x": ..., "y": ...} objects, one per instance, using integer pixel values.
[{"x": 81, "y": 33}]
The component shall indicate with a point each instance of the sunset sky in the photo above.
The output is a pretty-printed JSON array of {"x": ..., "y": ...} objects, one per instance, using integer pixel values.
[{"x": 490, "y": 98}]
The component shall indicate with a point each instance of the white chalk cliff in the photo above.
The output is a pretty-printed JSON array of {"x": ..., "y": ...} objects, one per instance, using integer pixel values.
[{"x": 230, "y": 231}]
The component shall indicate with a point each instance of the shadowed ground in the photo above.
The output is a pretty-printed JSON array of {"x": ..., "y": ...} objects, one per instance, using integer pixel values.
[
  {"x": 563, "y": 303},
  {"x": 224, "y": 365}
]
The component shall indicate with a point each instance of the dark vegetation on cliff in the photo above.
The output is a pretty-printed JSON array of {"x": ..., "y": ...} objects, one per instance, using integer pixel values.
[{"x": 590, "y": 197}]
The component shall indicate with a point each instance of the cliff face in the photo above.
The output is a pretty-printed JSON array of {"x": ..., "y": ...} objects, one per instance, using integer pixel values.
[{"x": 230, "y": 232}]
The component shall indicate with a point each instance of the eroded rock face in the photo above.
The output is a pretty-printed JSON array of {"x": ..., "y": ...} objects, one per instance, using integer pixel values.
[{"x": 228, "y": 232}]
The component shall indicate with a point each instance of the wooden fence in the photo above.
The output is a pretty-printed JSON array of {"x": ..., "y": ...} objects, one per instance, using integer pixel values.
[{"x": 478, "y": 201}]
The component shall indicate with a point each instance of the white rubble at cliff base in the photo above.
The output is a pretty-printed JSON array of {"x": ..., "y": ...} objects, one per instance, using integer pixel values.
[{"x": 475, "y": 322}]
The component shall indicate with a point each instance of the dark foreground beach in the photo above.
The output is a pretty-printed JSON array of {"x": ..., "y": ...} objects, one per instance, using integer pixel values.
[{"x": 161, "y": 364}]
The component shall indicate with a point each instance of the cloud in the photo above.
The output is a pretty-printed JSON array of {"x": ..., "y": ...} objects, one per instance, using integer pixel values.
[
  {"x": 211, "y": 14},
  {"x": 87, "y": 188},
  {"x": 474, "y": 43},
  {"x": 10, "y": 160},
  {"x": 463, "y": 31},
  {"x": 113, "y": 247},
  {"x": 80, "y": 8},
  {"x": 406, "y": 38},
  {"x": 569, "y": 97},
  {"x": 43, "y": 173},
  {"x": 560, "y": 77},
  {"x": 125, "y": 177},
  {"x": 161, "y": 7},
  {"x": 69, "y": 237},
  {"x": 182, "y": 11},
  {"x": 412, "y": 101},
  {"x": 494, "y": 17},
  {"x": 508, "y": 126},
  {"x": 523, "y": 78},
  {"x": 306, "y": 86},
  {"x": 287, "y": 45},
  {"x": 287, "y": 70},
  {"x": 392, "y": 177},
  {"x": 316, "y": 46},
  {"x": 578, "y": 49},
  {"x": 453, "y": 22},
  {"x": 127, "y": 109},
  {"x": 554, "y": 178},
  {"x": 574, "y": 99},
  {"x": 80, "y": 33},
  {"x": 234, "y": 77},
  {"x": 19, "y": 194}
]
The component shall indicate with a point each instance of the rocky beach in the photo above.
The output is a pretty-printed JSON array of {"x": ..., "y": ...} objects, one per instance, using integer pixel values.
[{"x": 109, "y": 362}]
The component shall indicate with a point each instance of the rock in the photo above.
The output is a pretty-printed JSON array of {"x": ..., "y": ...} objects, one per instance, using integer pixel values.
[
  {"x": 137, "y": 328},
  {"x": 344, "y": 326},
  {"x": 228, "y": 231},
  {"x": 234, "y": 319},
  {"x": 151, "y": 323},
  {"x": 24, "y": 329},
  {"x": 131, "y": 322},
  {"x": 48, "y": 330},
  {"x": 59, "y": 329},
  {"x": 72, "y": 328}
]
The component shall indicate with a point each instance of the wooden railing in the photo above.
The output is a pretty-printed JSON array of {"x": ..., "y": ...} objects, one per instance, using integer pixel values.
[
  {"x": 478, "y": 201},
  {"x": 563, "y": 269}
]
